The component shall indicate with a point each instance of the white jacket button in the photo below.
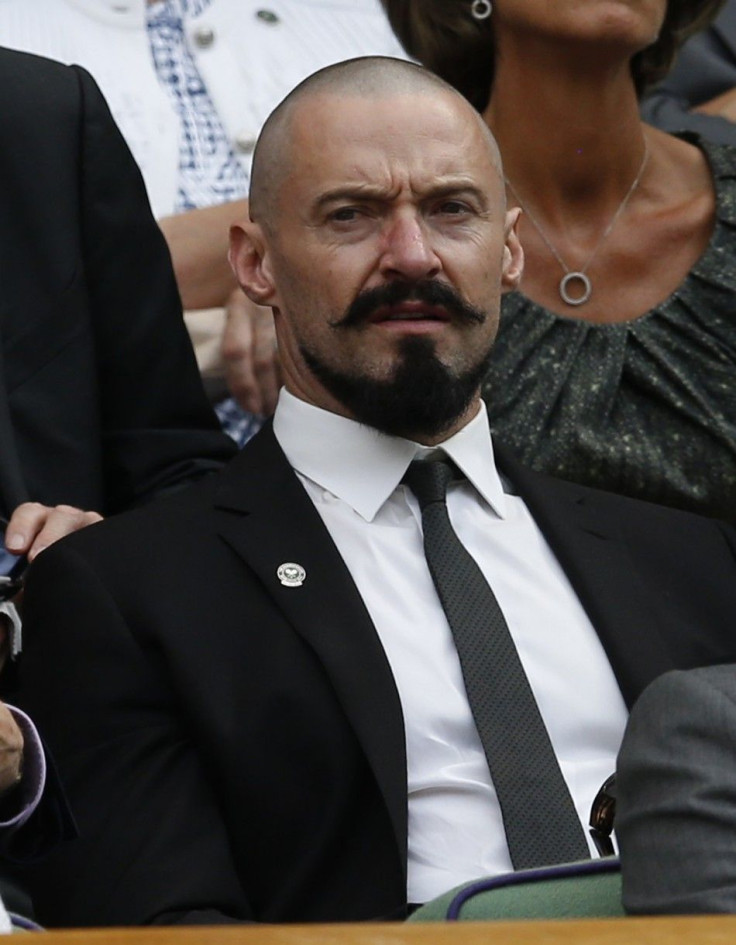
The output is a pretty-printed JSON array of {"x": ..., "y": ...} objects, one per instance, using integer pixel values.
[{"x": 204, "y": 36}]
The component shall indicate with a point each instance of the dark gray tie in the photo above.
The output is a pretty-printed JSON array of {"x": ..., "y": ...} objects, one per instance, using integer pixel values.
[{"x": 539, "y": 817}]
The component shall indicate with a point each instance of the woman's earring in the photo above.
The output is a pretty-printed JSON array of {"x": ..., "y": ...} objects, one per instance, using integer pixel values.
[{"x": 481, "y": 9}]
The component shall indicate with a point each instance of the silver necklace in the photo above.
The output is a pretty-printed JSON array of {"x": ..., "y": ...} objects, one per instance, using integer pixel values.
[{"x": 575, "y": 276}]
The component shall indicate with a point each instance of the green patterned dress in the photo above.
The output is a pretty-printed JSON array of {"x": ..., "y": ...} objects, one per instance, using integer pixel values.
[{"x": 646, "y": 408}]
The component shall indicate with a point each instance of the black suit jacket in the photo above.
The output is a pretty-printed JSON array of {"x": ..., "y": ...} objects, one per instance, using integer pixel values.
[
  {"x": 101, "y": 404},
  {"x": 234, "y": 748}
]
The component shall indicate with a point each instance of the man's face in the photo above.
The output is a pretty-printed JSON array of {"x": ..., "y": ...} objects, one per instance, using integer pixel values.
[{"x": 387, "y": 256}]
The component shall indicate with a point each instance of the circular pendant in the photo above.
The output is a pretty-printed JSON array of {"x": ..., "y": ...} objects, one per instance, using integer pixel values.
[{"x": 583, "y": 297}]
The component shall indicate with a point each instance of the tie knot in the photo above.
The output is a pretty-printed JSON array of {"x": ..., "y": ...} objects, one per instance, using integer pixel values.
[{"x": 428, "y": 480}]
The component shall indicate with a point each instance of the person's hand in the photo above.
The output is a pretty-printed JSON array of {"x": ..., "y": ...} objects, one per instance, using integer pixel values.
[
  {"x": 724, "y": 105},
  {"x": 33, "y": 527},
  {"x": 11, "y": 750},
  {"x": 250, "y": 356}
]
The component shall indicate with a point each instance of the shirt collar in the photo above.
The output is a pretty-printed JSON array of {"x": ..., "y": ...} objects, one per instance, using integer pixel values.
[{"x": 362, "y": 466}]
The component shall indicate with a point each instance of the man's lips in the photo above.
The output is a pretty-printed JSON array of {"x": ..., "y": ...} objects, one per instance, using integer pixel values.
[{"x": 409, "y": 311}]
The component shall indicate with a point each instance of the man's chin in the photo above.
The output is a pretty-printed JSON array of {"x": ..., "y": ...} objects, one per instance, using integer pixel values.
[{"x": 420, "y": 398}]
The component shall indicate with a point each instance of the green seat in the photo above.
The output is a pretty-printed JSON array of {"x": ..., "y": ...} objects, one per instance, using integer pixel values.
[{"x": 588, "y": 889}]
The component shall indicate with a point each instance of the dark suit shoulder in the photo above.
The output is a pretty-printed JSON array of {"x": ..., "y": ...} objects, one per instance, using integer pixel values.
[
  {"x": 260, "y": 474},
  {"x": 185, "y": 523},
  {"x": 160, "y": 521},
  {"x": 31, "y": 82},
  {"x": 624, "y": 509}
]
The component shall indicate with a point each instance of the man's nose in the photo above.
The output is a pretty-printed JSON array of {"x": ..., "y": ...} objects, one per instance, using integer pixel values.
[{"x": 407, "y": 252}]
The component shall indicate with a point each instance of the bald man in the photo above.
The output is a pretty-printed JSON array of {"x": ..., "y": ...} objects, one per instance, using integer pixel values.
[{"x": 252, "y": 689}]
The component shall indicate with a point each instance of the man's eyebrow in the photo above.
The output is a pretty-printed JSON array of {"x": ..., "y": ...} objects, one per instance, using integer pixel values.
[
  {"x": 457, "y": 188},
  {"x": 351, "y": 192},
  {"x": 368, "y": 191}
]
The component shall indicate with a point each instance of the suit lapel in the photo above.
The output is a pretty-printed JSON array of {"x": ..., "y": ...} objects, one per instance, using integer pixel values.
[
  {"x": 270, "y": 521},
  {"x": 587, "y": 540},
  {"x": 277, "y": 524}
]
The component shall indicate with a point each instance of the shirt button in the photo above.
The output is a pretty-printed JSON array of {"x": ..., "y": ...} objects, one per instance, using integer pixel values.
[
  {"x": 204, "y": 36},
  {"x": 268, "y": 16},
  {"x": 244, "y": 143}
]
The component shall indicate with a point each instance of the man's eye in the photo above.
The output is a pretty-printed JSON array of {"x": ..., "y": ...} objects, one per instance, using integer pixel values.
[
  {"x": 345, "y": 214},
  {"x": 453, "y": 207}
]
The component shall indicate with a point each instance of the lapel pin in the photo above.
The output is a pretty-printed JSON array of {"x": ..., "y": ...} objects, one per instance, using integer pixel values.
[{"x": 291, "y": 574}]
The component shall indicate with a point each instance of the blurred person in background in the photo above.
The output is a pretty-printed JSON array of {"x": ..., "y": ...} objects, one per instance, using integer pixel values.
[{"x": 676, "y": 795}]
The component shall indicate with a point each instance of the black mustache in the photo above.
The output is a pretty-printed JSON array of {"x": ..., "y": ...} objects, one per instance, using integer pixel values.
[{"x": 393, "y": 293}]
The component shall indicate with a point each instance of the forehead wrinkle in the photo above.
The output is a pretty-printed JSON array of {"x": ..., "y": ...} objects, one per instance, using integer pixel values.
[
  {"x": 463, "y": 133},
  {"x": 360, "y": 190},
  {"x": 404, "y": 156},
  {"x": 363, "y": 79},
  {"x": 434, "y": 186},
  {"x": 421, "y": 168}
]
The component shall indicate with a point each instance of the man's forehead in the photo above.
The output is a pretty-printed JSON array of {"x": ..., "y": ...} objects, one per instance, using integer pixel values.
[
  {"x": 400, "y": 110},
  {"x": 386, "y": 140},
  {"x": 361, "y": 97}
]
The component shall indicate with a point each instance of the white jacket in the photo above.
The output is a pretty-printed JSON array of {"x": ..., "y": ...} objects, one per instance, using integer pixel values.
[{"x": 250, "y": 53}]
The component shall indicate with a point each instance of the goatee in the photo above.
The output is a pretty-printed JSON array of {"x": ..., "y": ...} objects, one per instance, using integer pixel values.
[{"x": 424, "y": 397}]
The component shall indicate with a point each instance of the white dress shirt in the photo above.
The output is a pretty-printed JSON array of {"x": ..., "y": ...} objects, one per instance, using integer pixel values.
[{"x": 353, "y": 475}]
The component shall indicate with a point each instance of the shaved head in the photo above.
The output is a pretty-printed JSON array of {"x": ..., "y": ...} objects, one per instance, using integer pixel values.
[{"x": 369, "y": 77}]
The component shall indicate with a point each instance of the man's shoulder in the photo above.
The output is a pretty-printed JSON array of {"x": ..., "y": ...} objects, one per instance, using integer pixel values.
[
  {"x": 30, "y": 72},
  {"x": 203, "y": 545},
  {"x": 255, "y": 477},
  {"x": 541, "y": 490},
  {"x": 683, "y": 687},
  {"x": 42, "y": 94}
]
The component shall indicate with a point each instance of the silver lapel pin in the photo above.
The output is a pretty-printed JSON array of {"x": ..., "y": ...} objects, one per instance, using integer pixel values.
[{"x": 291, "y": 574}]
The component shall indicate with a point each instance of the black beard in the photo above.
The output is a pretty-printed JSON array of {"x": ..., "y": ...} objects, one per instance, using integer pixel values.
[{"x": 423, "y": 398}]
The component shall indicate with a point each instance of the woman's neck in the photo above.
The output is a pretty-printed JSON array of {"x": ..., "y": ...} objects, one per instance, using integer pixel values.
[{"x": 569, "y": 139}]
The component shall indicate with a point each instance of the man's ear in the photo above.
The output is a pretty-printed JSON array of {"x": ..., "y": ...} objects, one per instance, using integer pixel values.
[
  {"x": 513, "y": 253},
  {"x": 248, "y": 258}
]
